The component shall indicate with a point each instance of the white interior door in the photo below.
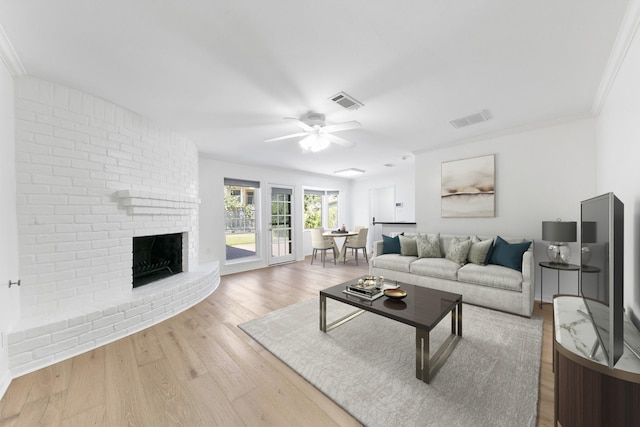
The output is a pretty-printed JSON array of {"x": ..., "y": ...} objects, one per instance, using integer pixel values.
[
  {"x": 382, "y": 207},
  {"x": 281, "y": 225}
]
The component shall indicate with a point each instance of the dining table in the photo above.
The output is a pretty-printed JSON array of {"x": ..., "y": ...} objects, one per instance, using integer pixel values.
[{"x": 340, "y": 235}]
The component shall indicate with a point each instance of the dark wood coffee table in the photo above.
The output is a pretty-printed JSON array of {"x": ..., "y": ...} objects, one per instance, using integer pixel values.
[{"x": 422, "y": 308}]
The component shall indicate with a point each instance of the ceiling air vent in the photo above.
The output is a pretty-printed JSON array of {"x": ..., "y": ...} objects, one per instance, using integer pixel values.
[
  {"x": 346, "y": 101},
  {"x": 471, "y": 119}
]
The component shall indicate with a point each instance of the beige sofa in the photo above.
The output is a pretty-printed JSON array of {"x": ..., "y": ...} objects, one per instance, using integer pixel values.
[{"x": 494, "y": 286}]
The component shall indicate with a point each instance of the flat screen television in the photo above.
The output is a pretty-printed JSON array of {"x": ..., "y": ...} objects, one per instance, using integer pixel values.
[{"x": 601, "y": 272}]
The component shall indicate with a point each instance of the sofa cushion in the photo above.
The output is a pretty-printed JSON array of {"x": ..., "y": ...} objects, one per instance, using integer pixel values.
[
  {"x": 435, "y": 267},
  {"x": 479, "y": 250},
  {"x": 508, "y": 254},
  {"x": 494, "y": 276},
  {"x": 394, "y": 262},
  {"x": 458, "y": 250},
  {"x": 429, "y": 245},
  {"x": 390, "y": 245},
  {"x": 408, "y": 246}
]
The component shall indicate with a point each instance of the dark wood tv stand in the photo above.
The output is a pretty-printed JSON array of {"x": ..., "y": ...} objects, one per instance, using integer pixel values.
[{"x": 587, "y": 392}]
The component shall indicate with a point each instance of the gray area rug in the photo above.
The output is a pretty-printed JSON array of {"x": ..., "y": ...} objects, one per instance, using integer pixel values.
[{"x": 367, "y": 366}]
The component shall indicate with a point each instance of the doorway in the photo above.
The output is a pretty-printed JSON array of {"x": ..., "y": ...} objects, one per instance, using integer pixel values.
[
  {"x": 241, "y": 234},
  {"x": 281, "y": 225},
  {"x": 381, "y": 209}
]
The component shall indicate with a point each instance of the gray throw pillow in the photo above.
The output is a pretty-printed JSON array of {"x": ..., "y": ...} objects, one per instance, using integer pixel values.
[
  {"x": 458, "y": 250},
  {"x": 429, "y": 245},
  {"x": 408, "y": 246},
  {"x": 479, "y": 250}
]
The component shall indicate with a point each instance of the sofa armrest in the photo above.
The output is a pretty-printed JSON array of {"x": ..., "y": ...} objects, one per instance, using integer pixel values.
[
  {"x": 377, "y": 248},
  {"x": 528, "y": 278}
]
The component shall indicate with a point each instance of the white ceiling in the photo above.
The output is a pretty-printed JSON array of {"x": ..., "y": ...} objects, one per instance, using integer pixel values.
[{"x": 224, "y": 73}]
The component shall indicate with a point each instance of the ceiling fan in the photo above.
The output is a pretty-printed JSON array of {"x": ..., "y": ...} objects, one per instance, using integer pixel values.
[{"x": 318, "y": 135}]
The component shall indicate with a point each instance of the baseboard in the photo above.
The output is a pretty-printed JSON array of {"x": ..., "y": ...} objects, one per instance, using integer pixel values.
[{"x": 4, "y": 383}]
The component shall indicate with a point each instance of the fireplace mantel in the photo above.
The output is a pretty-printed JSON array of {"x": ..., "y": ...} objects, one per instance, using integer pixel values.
[{"x": 147, "y": 202}]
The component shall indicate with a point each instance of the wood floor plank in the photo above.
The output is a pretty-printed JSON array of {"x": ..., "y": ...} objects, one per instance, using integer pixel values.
[
  {"x": 12, "y": 403},
  {"x": 209, "y": 396},
  {"x": 93, "y": 417},
  {"x": 146, "y": 346},
  {"x": 50, "y": 380},
  {"x": 200, "y": 368},
  {"x": 167, "y": 397},
  {"x": 125, "y": 400},
  {"x": 184, "y": 361},
  {"x": 255, "y": 410},
  {"x": 86, "y": 383},
  {"x": 44, "y": 412},
  {"x": 224, "y": 369}
]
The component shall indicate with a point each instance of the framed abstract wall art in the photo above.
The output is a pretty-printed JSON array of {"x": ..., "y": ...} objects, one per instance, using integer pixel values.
[{"x": 468, "y": 188}]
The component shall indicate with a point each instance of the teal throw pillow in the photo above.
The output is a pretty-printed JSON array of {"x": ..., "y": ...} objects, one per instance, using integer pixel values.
[
  {"x": 508, "y": 254},
  {"x": 390, "y": 245}
]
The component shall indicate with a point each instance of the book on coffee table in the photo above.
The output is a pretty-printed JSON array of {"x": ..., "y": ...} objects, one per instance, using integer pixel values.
[{"x": 369, "y": 293}]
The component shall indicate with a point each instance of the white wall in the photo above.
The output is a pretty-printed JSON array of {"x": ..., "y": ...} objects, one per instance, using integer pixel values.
[
  {"x": 541, "y": 175},
  {"x": 618, "y": 165},
  {"x": 402, "y": 182},
  {"x": 9, "y": 298},
  {"x": 212, "y": 228}
]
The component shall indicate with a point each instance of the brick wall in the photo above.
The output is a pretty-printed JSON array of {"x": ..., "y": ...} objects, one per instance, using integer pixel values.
[
  {"x": 75, "y": 152},
  {"x": 90, "y": 176}
]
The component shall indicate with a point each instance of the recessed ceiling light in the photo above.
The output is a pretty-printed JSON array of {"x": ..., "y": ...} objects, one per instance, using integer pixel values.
[{"x": 349, "y": 172}]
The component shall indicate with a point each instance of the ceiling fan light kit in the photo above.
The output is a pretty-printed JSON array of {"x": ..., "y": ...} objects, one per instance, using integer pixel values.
[
  {"x": 314, "y": 143},
  {"x": 317, "y": 135}
]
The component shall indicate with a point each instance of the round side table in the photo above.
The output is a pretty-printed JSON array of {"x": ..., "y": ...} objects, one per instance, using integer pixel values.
[{"x": 558, "y": 268}]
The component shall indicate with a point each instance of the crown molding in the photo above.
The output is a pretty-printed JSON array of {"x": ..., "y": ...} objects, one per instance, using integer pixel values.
[
  {"x": 10, "y": 57},
  {"x": 626, "y": 34}
]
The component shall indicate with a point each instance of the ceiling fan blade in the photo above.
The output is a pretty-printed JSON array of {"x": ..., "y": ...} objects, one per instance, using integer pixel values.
[
  {"x": 341, "y": 126},
  {"x": 282, "y": 138},
  {"x": 338, "y": 140},
  {"x": 300, "y": 123}
]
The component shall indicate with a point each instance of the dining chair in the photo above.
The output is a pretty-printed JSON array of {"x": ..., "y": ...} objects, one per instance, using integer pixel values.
[
  {"x": 357, "y": 242},
  {"x": 323, "y": 244}
]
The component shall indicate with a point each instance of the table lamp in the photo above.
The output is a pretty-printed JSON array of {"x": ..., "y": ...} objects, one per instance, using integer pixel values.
[{"x": 558, "y": 233}]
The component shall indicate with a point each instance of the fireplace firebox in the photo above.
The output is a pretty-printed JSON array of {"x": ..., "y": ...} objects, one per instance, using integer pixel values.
[{"x": 156, "y": 257}]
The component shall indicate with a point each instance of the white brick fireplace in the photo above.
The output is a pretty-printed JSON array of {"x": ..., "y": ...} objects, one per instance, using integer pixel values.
[{"x": 90, "y": 177}]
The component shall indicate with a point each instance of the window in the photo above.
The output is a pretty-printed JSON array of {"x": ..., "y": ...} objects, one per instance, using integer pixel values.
[
  {"x": 240, "y": 218},
  {"x": 312, "y": 209},
  {"x": 320, "y": 209},
  {"x": 332, "y": 209}
]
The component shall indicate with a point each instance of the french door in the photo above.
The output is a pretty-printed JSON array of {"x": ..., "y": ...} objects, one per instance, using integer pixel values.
[{"x": 281, "y": 225}]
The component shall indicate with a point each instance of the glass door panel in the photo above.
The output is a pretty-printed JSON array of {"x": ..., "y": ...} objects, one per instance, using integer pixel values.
[{"x": 281, "y": 225}]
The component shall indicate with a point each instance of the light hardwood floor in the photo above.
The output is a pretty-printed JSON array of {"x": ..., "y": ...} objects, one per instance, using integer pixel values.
[{"x": 199, "y": 369}]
